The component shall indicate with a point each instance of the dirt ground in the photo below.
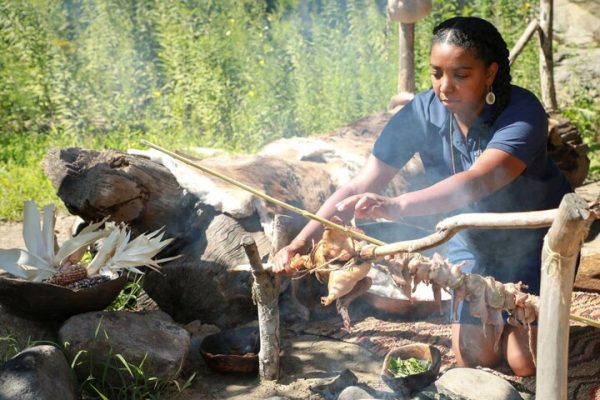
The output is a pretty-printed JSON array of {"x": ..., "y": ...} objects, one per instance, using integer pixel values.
[{"x": 307, "y": 360}]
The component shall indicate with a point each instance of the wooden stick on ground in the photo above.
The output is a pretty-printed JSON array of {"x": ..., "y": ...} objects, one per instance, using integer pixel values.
[{"x": 561, "y": 248}]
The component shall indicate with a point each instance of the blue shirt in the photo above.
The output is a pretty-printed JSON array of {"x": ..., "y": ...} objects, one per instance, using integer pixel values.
[{"x": 423, "y": 126}]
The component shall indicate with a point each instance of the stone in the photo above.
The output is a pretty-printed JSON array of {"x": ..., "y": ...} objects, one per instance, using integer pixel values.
[
  {"x": 330, "y": 389},
  {"x": 18, "y": 333},
  {"x": 150, "y": 338},
  {"x": 38, "y": 373},
  {"x": 354, "y": 393},
  {"x": 475, "y": 384}
]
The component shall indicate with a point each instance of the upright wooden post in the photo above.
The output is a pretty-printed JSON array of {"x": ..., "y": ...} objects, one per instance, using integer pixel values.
[
  {"x": 546, "y": 62},
  {"x": 406, "y": 58},
  {"x": 561, "y": 248},
  {"x": 265, "y": 292}
]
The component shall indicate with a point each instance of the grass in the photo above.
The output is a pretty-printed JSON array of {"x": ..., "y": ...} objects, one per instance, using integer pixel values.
[
  {"x": 225, "y": 74},
  {"x": 127, "y": 299},
  {"x": 9, "y": 347},
  {"x": 112, "y": 376}
]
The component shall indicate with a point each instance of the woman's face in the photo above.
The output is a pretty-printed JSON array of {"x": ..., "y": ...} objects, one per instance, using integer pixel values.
[{"x": 459, "y": 79}]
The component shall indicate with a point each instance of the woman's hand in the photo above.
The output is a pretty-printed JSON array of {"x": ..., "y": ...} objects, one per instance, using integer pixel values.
[
  {"x": 283, "y": 258},
  {"x": 371, "y": 206}
]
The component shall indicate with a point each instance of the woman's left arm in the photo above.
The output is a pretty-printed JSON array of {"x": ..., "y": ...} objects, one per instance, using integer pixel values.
[{"x": 493, "y": 170}]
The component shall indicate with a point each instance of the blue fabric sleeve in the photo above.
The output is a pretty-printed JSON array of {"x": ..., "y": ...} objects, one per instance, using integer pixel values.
[
  {"x": 522, "y": 129},
  {"x": 402, "y": 136}
]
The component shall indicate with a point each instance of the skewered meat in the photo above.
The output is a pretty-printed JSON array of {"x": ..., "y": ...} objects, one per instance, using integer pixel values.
[
  {"x": 342, "y": 303},
  {"x": 335, "y": 259},
  {"x": 398, "y": 268},
  {"x": 341, "y": 281}
]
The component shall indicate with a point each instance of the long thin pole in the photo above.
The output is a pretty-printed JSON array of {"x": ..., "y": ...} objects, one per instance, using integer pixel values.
[
  {"x": 546, "y": 61},
  {"x": 346, "y": 230}
]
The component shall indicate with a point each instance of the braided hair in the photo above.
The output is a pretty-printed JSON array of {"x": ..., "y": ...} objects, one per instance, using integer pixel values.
[{"x": 485, "y": 41}]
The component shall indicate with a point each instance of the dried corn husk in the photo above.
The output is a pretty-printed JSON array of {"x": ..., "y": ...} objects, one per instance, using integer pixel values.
[{"x": 42, "y": 262}]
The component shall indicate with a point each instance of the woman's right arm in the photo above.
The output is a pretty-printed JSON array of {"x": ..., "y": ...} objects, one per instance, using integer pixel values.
[{"x": 374, "y": 177}]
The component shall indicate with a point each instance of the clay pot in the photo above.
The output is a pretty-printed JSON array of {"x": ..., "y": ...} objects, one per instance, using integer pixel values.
[
  {"x": 232, "y": 350},
  {"x": 417, "y": 381},
  {"x": 408, "y": 11}
]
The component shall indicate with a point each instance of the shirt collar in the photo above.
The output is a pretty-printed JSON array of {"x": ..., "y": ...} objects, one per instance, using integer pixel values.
[{"x": 440, "y": 116}]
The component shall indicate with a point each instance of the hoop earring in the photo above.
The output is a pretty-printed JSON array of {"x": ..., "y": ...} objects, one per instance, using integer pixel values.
[{"x": 490, "y": 97}]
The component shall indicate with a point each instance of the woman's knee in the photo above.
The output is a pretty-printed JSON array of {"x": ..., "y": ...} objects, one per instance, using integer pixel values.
[
  {"x": 472, "y": 348},
  {"x": 520, "y": 345}
]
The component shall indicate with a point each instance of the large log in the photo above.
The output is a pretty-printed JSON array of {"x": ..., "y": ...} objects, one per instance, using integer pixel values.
[{"x": 146, "y": 196}]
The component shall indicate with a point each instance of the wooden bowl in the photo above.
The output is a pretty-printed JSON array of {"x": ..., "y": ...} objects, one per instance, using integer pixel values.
[
  {"x": 232, "y": 350},
  {"x": 45, "y": 301},
  {"x": 416, "y": 381}
]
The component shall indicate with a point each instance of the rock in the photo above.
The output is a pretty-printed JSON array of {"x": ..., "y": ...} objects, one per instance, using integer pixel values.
[
  {"x": 38, "y": 373},
  {"x": 331, "y": 388},
  {"x": 475, "y": 384},
  {"x": 17, "y": 333},
  {"x": 354, "y": 393},
  {"x": 577, "y": 49},
  {"x": 198, "y": 331},
  {"x": 152, "y": 338},
  {"x": 527, "y": 396}
]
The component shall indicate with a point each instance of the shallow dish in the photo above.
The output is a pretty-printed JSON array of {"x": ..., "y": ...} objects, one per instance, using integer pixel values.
[
  {"x": 45, "y": 301},
  {"x": 384, "y": 296},
  {"x": 416, "y": 381},
  {"x": 404, "y": 308},
  {"x": 232, "y": 350}
]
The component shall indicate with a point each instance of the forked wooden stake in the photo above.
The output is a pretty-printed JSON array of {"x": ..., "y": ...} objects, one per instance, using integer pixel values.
[
  {"x": 265, "y": 292},
  {"x": 559, "y": 256}
]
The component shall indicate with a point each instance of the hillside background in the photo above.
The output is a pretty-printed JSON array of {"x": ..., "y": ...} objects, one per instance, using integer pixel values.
[{"x": 233, "y": 74}]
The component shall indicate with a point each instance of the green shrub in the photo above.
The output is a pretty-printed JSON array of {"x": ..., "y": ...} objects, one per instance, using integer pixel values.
[
  {"x": 218, "y": 73},
  {"x": 584, "y": 113}
]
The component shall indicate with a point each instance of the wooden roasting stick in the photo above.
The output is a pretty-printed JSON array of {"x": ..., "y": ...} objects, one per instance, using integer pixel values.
[{"x": 258, "y": 193}]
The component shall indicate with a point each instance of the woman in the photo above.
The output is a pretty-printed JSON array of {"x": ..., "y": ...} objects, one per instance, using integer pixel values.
[{"x": 483, "y": 144}]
